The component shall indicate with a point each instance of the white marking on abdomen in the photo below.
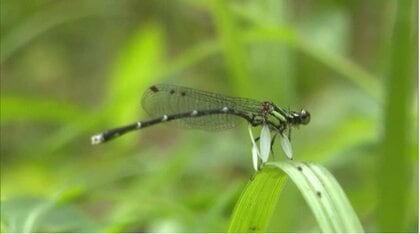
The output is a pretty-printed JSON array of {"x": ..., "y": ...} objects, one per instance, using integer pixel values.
[
  {"x": 225, "y": 109},
  {"x": 164, "y": 118},
  {"x": 194, "y": 113},
  {"x": 139, "y": 124}
]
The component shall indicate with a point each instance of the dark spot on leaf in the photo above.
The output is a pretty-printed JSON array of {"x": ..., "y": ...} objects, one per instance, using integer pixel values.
[
  {"x": 183, "y": 93},
  {"x": 154, "y": 89},
  {"x": 252, "y": 228},
  {"x": 172, "y": 91},
  {"x": 318, "y": 193},
  {"x": 299, "y": 168}
]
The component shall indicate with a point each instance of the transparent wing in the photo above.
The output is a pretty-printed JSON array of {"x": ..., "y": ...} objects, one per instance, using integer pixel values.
[{"x": 166, "y": 99}]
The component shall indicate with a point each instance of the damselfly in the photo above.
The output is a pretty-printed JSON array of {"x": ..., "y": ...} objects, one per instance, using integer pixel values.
[{"x": 204, "y": 110}]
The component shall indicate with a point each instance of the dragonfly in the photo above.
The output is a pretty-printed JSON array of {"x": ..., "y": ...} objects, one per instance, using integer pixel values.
[{"x": 192, "y": 108}]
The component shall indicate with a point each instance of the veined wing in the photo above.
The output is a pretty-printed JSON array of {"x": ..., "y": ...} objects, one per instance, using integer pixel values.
[{"x": 164, "y": 99}]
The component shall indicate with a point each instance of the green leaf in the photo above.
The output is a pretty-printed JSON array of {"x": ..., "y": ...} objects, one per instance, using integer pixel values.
[
  {"x": 37, "y": 24},
  {"x": 342, "y": 65},
  {"x": 257, "y": 202},
  {"x": 231, "y": 43},
  {"x": 17, "y": 108},
  {"x": 324, "y": 196},
  {"x": 54, "y": 214},
  {"x": 393, "y": 163},
  {"x": 136, "y": 66},
  {"x": 320, "y": 190}
]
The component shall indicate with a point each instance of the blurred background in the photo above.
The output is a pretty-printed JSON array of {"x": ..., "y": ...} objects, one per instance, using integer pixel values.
[{"x": 71, "y": 69}]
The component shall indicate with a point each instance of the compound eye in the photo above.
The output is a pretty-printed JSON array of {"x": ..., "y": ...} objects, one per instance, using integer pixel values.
[{"x": 305, "y": 117}]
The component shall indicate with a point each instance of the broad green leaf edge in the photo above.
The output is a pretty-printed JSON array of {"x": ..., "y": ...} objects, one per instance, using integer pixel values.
[{"x": 321, "y": 191}]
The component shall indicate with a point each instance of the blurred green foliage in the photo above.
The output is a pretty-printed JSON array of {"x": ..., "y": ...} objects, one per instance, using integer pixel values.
[{"x": 70, "y": 69}]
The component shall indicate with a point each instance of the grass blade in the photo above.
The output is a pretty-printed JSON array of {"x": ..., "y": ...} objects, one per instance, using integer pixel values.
[
  {"x": 319, "y": 188},
  {"x": 256, "y": 204},
  {"x": 393, "y": 163},
  {"x": 324, "y": 196}
]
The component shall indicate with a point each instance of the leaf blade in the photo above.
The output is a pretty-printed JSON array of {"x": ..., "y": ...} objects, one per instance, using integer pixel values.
[
  {"x": 256, "y": 204},
  {"x": 324, "y": 196}
]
